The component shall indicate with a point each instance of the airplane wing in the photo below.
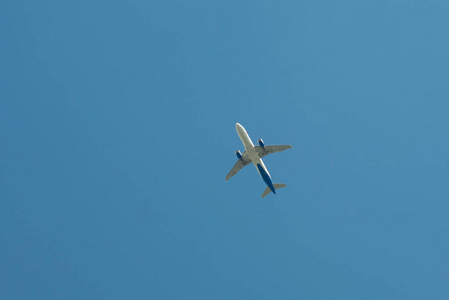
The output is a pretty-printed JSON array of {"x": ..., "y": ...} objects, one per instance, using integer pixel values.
[
  {"x": 263, "y": 151},
  {"x": 244, "y": 161}
]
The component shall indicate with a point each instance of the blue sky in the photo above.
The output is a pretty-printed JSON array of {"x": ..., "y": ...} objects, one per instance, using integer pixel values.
[{"x": 117, "y": 129}]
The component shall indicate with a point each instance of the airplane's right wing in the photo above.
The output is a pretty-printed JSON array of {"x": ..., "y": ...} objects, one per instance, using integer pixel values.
[
  {"x": 242, "y": 162},
  {"x": 263, "y": 151}
]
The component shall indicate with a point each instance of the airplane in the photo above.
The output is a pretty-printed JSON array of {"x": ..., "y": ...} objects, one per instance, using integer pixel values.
[{"x": 253, "y": 154}]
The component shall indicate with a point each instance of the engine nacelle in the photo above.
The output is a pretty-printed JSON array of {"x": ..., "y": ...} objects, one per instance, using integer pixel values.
[
  {"x": 261, "y": 143},
  {"x": 239, "y": 154}
]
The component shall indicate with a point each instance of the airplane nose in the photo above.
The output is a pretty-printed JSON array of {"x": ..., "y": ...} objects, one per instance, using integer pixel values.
[{"x": 240, "y": 129}]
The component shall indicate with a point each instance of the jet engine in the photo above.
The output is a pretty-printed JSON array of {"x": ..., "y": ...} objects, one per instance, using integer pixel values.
[
  {"x": 239, "y": 154},
  {"x": 261, "y": 143}
]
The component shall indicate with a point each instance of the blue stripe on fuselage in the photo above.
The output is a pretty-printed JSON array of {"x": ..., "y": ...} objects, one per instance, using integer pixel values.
[{"x": 266, "y": 177}]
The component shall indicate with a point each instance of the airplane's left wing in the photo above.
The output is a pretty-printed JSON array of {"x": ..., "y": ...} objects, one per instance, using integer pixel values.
[
  {"x": 242, "y": 162},
  {"x": 263, "y": 151}
]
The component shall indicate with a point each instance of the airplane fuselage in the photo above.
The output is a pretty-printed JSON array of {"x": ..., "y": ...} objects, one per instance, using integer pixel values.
[{"x": 255, "y": 159}]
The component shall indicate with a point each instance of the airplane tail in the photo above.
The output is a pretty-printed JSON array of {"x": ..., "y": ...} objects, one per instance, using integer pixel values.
[{"x": 276, "y": 187}]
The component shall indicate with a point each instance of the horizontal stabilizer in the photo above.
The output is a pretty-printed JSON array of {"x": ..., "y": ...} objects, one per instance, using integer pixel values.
[{"x": 276, "y": 187}]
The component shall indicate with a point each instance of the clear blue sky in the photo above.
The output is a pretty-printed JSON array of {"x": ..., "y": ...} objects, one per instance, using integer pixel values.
[{"x": 117, "y": 129}]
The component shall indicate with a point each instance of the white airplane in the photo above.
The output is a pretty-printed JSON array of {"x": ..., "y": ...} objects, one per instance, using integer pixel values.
[{"x": 254, "y": 154}]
